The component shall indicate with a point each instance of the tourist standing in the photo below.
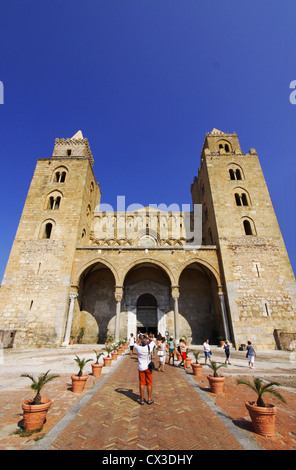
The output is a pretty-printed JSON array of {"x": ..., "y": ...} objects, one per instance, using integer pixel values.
[
  {"x": 227, "y": 352},
  {"x": 171, "y": 345},
  {"x": 207, "y": 350},
  {"x": 251, "y": 354},
  {"x": 144, "y": 351},
  {"x": 161, "y": 352},
  {"x": 131, "y": 344}
]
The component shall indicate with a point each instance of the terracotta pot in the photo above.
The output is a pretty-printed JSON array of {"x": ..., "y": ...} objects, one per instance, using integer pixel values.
[
  {"x": 96, "y": 369},
  {"x": 222, "y": 343},
  {"x": 120, "y": 351},
  {"x": 107, "y": 361},
  {"x": 114, "y": 355},
  {"x": 197, "y": 369},
  {"x": 216, "y": 383},
  {"x": 186, "y": 343},
  {"x": 71, "y": 341},
  {"x": 34, "y": 415},
  {"x": 78, "y": 383},
  {"x": 263, "y": 419},
  {"x": 187, "y": 362}
]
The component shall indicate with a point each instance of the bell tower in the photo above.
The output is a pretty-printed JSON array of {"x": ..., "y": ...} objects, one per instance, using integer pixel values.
[
  {"x": 239, "y": 219},
  {"x": 56, "y": 219}
]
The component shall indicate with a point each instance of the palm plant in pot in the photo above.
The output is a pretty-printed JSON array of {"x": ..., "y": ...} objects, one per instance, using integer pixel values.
[
  {"x": 196, "y": 366},
  {"x": 261, "y": 414},
  {"x": 97, "y": 366},
  {"x": 216, "y": 381},
  {"x": 187, "y": 362},
  {"x": 79, "y": 380},
  {"x": 35, "y": 410},
  {"x": 108, "y": 359},
  {"x": 114, "y": 352}
]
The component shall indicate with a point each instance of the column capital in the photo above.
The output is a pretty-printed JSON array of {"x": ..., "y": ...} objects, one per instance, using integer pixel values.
[
  {"x": 175, "y": 292},
  {"x": 118, "y": 293},
  {"x": 73, "y": 295}
]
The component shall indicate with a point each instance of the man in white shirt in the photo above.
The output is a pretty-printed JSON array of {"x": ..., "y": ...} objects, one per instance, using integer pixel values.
[{"x": 144, "y": 350}]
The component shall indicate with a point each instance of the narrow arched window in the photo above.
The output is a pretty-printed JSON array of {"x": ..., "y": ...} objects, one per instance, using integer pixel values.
[
  {"x": 238, "y": 199},
  {"x": 238, "y": 174},
  {"x": 47, "y": 230},
  {"x": 63, "y": 177},
  {"x": 248, "y": 227},
  {"x": 57, "y": 202},
  {"x": 232, "y": 175},
  {"x": 244, "y": 199},
  {"x": 226, "y": 148}
]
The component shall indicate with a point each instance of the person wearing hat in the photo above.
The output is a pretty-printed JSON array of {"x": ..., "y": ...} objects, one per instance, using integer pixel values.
[
  {"x": 227, "y": 351},
  {"x": 171, "y": 345}
]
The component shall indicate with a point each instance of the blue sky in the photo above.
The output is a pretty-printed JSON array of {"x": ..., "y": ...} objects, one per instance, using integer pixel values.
[{"x": 145, "y": 80}]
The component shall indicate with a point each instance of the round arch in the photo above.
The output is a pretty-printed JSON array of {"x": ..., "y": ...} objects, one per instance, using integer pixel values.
[
  {"x": 93, "y": 262},
  {"x": 203, "y": 263},
  {"x": 151, "y": 261}
]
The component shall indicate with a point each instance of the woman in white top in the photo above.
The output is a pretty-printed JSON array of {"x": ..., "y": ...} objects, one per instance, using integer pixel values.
[
  {"x": 131, "y": 344},
  {"x": 207, "y": 350},
  {"x": 161, "y": 351}
]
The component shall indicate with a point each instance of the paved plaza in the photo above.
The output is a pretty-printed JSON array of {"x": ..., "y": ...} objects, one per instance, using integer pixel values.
[{"x": 107, "y": 415}]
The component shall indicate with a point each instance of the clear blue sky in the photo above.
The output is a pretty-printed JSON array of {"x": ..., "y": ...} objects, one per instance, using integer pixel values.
[{"x": 145, "y": 80}]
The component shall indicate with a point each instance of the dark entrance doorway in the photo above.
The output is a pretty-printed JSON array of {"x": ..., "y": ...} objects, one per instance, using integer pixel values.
[{"x": 147, "y": 314}]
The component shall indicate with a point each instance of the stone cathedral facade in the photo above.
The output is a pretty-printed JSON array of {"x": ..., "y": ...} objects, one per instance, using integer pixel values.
[{"x": 219, "y": 270}]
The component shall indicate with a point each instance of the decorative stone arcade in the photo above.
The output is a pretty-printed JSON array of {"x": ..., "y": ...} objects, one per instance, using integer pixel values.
[{"x": 147, "y": 298}]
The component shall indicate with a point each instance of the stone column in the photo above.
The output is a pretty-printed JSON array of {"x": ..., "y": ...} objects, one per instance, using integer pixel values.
[
  {"x": 224, "y": 315},
  {"x": 73, "y": 296},
  {"x": 175, "y": 295},
  {"x": 118, "y": 297}
]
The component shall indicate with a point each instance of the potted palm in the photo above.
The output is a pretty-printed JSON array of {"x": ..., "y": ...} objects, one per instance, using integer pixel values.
[
  {"x": 216, "y": 381},
  {"x": 261, "y": 414},
  {"x": 114, "y": 352},
  {"x": 108, "y": 359},
  {"x": 80, "y": 335},
  {"x": 97, "y": 366},
  {"x": 79, "y": 380},
  {"x": 35, "y": 410},
  {"x": 196, "y": 366}
]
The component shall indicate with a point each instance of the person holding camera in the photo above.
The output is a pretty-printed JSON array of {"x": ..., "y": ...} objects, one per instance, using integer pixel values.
[{"x": 144, "y": 350}]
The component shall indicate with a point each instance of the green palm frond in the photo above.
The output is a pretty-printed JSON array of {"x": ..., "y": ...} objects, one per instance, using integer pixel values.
[
  {"x": 81, "y": 364},
  {"x": 215, "y": 366},
  {"x": 259, "y": 387},
  {"x": 38, "y": 384}
]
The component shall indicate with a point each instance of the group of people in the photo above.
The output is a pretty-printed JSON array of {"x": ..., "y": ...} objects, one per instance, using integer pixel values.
[{"x": 146, "y": 346}]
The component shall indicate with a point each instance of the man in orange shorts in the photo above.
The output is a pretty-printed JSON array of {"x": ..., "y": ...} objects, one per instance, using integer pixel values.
[{"x": 144, "y": 351}]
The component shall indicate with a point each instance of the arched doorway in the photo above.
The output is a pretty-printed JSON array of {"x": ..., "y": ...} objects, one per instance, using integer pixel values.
[
  {"x": 96, "y": 304},
  {"x": 199, "y": 305},
  {"x": 147, "y": 314}
]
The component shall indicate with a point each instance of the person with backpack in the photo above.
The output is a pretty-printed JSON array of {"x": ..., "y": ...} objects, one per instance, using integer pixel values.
[{"x": 144, "y": 350}]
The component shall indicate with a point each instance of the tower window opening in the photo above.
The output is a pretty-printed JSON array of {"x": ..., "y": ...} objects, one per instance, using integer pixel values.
[
  {"x": 231, "y": 174},
  {"x": 227, "y": 148},
  {"x": 47, "y": 230},
  {"x": 238, "y": 199},
  {"x": 238, "y": 174},
  {"x": 244, "y": 199},
  {"x": 69, "y": 151},
  {"x": 248, "y": 228}
]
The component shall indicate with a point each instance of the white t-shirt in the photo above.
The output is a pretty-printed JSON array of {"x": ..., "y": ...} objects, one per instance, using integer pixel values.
[
  {"x": 207, "y": 347},
  {"x": 143, "y": 355},
  {"x": 132, "y": 341}
]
